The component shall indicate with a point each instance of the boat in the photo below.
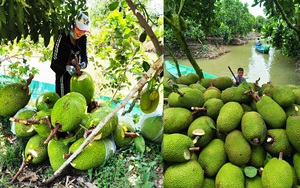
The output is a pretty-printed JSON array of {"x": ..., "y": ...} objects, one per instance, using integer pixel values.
[
  {"x": 171, "y": 68},
  {"x": 263, "y": 48}
]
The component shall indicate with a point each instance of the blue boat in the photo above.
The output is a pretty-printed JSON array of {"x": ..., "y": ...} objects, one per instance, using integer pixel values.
[
  {"x": 263, "y": 48},
  {"x": 171, "y": 68}
]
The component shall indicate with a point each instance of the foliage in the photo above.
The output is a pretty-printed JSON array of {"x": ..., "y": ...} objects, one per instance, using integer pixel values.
[
  {"x": 35, "y": 18},
  {"x": 260, "y": 21},
  {"x": 128, "y": 167}
]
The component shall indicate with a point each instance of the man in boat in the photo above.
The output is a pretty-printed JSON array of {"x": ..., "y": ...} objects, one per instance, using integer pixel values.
[
  {"x": 257, "y": 43},
  {"x": 239, "y": 78}
]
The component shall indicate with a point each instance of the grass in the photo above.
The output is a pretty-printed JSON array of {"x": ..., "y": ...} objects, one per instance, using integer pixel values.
[{"x": 127, "y": 167}]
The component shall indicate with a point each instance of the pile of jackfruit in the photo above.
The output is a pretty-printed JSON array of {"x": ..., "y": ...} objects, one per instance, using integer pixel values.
[
  {"x": 217, "y": 135},
  {"x": 56, "y": 126}
]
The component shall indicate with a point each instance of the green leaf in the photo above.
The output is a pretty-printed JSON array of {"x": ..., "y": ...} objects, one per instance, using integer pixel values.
[
  {"x": 2, "y": 15},
  {"x": 146, "y": 66},
  {"x": 210, "y": 124},
  {"x": 140, "y": 144},
  {"x": 113, "y": 6},
  {"x": 250, "y": 171}
]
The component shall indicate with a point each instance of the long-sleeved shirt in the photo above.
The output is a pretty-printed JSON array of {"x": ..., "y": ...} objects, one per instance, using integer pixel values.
[{"x": 64, "y": 51}]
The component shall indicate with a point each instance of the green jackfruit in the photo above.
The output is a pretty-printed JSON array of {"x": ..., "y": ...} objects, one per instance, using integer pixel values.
[
  {"x": 42, "y": 128},
  {"x": 229, "y": 176},
  {"x": 56, "y": 150},
  {"x": 205, "y": 123},
  {"x": 297, "y": 96},
  {"x": 283, "y": 95},
  {"x": 222, "y": 82},
  {"x": 296, "y": 164},
  {"x": 46, "y": 100},
  {"x": 187, "y": 98},
  {"x": 272, "y": 112},
  {"x": 176, "y": 119},
  {"x": 213, "y": 107},
  {"x": 258, "y": 156},
  {"x": 236, "y": 94},
  {"x": 277, "y": 141},
  {"x": 84, "y": 85},
  {"x": 188, "y": 79},
  {"x": 229, "y": 117},
  {"x": 35, "y": 150},
  {"x": 212, "y": 157},
  {"x": 212, "y": 92},
  {"x": 209, "y": 183},
  {"x": 237, "y": 148},
  {"x": 188, "y": 174},
  {"x": 152, "y": 128},
  {"x": 253, "y": 182},
  {"x": 119, "y": 134},
  {"x": 21, "y": 129},
  {"x": 293, "y": 130},
  {"x": 97, "y": 116},
  {"x": 93, "y": 155},
  {"x": 13, "y": 97},
  {"x": 68, "y": 111},
  {"x": 253, "y": 128},
  {"x": 197, "y": 86},
  {"x": 206, "y": 82},
  {"x": 176, "y": 147},
  {"x": 277, "y": 173}
]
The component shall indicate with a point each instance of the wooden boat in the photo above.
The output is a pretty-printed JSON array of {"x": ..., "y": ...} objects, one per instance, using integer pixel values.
[
  {"x": 171, "y": 68},
  {"x": 263, "y": 48}
]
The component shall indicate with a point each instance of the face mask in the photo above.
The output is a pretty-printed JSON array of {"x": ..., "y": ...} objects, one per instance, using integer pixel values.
[{"x": 72, "y": 34}]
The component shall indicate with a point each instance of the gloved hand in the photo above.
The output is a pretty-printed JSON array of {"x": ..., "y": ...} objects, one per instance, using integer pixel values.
[
  {"x": 82, "y": 65},
  {"x": 71, "y": 69}
]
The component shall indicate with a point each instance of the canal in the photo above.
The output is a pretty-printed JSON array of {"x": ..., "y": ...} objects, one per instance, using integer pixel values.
[{"x": 272, "y": 67}]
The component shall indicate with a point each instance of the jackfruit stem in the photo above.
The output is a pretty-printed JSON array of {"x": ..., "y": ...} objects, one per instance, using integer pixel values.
[
  {"x": 198, "y": 109},
  {"x": 53, "y": 132},
  {"x": 28, "y": 82},
  {"x": 270, "y": 139},
  {"x": 174, "y": 89},
  {"x": 31, "y": 121},
  {"x": 256, "y": 140},
  {"x": 67, "y": 155},
  {"x": 196, "y": 139},
  {"x": 24, "y": 163},
  {"x": 296, "y": 111},
  {"x": 280, "y": 157},
  {"x": 194, "y": 148},
  {"x": 131, "y": 134}
]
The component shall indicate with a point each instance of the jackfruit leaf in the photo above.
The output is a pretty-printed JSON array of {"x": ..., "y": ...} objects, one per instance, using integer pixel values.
[
  {"x": 210, "y": 124},
  {"x": 268, "y": 158},
  {"x": 113, "y": 6},
  {"x": 66, "y": 141},
  {"x": 250, "y": 171},
  {"x": 140, "y": 144},
  {"x": 146, "y": 66},
  {"x": 167, "y": 89}
]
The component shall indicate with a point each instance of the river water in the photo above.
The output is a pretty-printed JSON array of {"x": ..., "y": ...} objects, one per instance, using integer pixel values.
[{"x": 272, "y": 67}]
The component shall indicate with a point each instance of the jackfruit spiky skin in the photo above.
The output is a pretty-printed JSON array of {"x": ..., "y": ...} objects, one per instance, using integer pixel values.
[
  {"x": 153, "y": 128},
  {"x": 209, "y": 183},
  {"x": 93, "y": 155},
  {"x": 46, "y": 100},
  {"x": 262, "y": 88},
  {"x": 222, "y": 82},
  {"x": 43, "y": 129},
  {"x": 191, "y": 97},
  {"x": 296, "y": 164},
  {"x": 188, "y": 174},
  {"x": 258, "y": 156},
  {"x": 13, "y": 97},
  {"x": 176, "y": 147},
  {"x": 277, "y": 174},
  {"x": 297, "y": 95},
  {"x": 97, "y": 116},
  {"x": 205, "y": 123},
  {"x": 230, "y": 175},
  {"x": 253, "y": 182},
  {"x": 56, "y": 150},
  {"x": 197, "y": 86},
  {"x": 84, "y": 85},
  {"x": 212, "y": 92},
  {"x": 293, "y": 131},
  {"x": 188, "y": 79},
  {"x": 68, "y": 111},
  {"x": 272, "y": 112},
  {"x": 176, "y": 119},
  {"x": 236, "y": 94},
  {"x": 283, "y": 95},
  {"x": 119, "y": 134},
  {"x": 279, "y": 144},
  {"x": 206, "y": 82},
  {"x": 253, "y": 128},
  {"x": 212, "y": 157},
  {"x": 229, "y": 117},
  {"x": 268, "y": 91},
  {"x": 36, "y": 148},
  {"x": 246, "y": 108},
  {"x": 237, "y": 148},
  {"x": 21, "y": 129},
  {"x": 213, "y": 107}
]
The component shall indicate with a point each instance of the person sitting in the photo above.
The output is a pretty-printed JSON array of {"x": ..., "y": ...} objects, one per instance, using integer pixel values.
[
  {"x": 239, "y": 78},
  {"x": 257, "y": 43}
]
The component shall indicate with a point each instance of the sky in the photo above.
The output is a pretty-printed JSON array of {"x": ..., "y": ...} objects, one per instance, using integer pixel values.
[{"x": 254, "y": 10}]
